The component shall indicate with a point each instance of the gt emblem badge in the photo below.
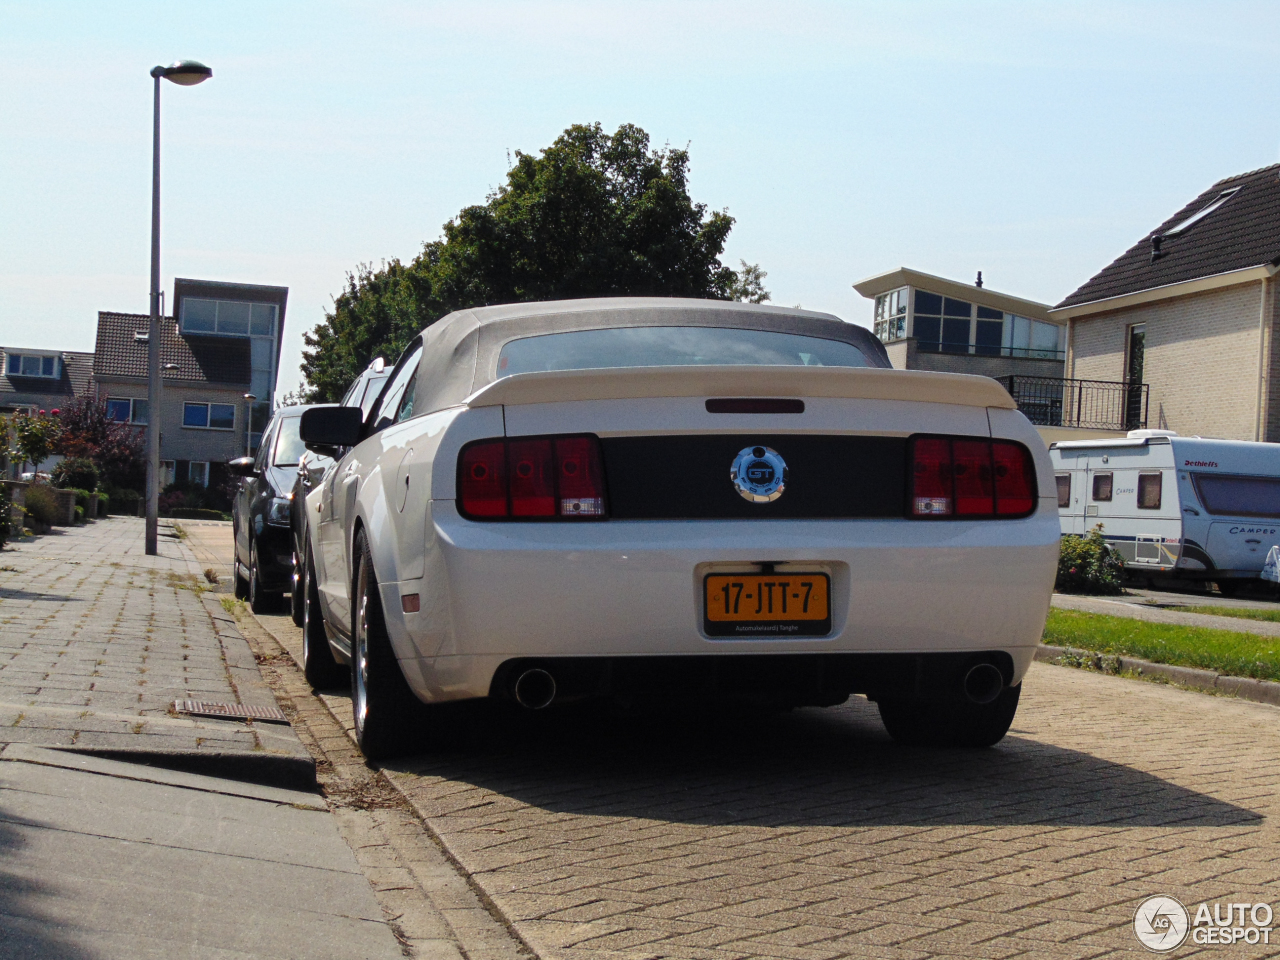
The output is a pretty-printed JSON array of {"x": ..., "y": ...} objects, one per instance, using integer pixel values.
[{"x": 759, "y": 474}]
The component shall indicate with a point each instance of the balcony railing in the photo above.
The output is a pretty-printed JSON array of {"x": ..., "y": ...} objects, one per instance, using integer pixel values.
[{"x": 1095, "y": 404}]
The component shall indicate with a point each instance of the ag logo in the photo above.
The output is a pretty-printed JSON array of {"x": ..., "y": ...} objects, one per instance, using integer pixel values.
[
  {"x": 759, "y": 474},
  {"x": 1161, "y": 923}
]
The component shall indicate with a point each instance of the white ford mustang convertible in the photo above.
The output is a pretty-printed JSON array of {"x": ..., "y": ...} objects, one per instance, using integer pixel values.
[{"x": 677, "y": 499}]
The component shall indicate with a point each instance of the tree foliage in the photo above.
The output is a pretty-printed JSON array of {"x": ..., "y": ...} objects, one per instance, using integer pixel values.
[
  {"x": 594, "y": 215},
  {"x": 34, "y": 437},
  {"x": 116, "y": 449}
]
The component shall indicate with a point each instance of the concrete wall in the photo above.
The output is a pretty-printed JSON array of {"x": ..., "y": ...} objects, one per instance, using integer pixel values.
[
  {"x": 188, "y": 443},
  {"x": 1201, "y": 358},
  {"x": 904, "y": 356}
]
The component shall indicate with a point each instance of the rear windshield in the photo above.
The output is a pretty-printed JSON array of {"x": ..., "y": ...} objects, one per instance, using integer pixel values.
[
  {"x": 289, "y": 446},
  {"x": 673, "y": 347},
  {"x": 1239, "y": 496}
]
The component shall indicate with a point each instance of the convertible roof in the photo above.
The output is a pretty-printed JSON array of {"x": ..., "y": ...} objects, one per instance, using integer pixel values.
[{"x": 461, "y": 349}]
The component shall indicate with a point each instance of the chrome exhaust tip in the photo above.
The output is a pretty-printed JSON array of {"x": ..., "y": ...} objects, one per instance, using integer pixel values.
[
  {"x": 535, "y": 689},
  {"x": 983, "y": 683}
]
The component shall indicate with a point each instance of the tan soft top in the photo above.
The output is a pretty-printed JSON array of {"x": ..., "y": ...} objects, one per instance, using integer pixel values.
[{"x": 633, "y": 383}]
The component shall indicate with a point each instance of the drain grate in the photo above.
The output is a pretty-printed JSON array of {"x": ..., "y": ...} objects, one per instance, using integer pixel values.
[{"x": 229, "y": 711}]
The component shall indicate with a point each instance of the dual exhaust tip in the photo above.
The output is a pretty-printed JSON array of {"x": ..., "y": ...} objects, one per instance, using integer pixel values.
[{"x": 535, "y": 688}]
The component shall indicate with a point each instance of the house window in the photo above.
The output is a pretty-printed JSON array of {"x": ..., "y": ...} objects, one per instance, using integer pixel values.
[
  {"x": 1102, "y": 486},
  {"x": 947, "y": 325},
  {"x": 209, "y": 416},
  {"x": 1149, "y": 491},
  {"x": 166, "y": 473},
  {"x": 928, "y": 321},
  {"x": 1024, "y": 337},
  {"x": 228, "y": 318},
  {"x": 32, "y": 365},
  {"x": 1064, "y": 489},
  {"x": 891, "y": 315},
  {"x": 198, "y": 472},
  {"x": 1196, "y": 217},
  {"x": 127, "y": 410}
]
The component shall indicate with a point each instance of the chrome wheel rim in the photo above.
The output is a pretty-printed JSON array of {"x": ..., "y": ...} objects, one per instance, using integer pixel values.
[{"x": 360, "y": 654}]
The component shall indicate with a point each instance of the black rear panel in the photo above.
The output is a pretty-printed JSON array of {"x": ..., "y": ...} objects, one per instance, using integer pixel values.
[{"x": 668, "y": 478}]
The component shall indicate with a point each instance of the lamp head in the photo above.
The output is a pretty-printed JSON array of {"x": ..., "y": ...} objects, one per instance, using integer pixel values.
[
  {"x": 186, "y": 73},
  {"x": 250, "y": 396}
]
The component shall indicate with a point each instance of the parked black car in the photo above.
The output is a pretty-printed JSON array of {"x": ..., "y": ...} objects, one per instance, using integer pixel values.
[
  {"x": 262, "y": 513},
  {"x": 318, "y": 663}
]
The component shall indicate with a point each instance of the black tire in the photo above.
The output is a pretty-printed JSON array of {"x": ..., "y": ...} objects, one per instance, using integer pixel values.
[
  {"x": 385, "y": 709},
  {"x": 950, "y": 723},
  {"x": 239, "y": 588},
  {"x": 260, "y": 600},
  {"x": 296, "y": 599},
  {"x": 321, "y": 670}
]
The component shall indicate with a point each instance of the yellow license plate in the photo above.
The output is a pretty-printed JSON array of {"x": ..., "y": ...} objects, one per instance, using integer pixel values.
[{"x": 767, "y": 605}]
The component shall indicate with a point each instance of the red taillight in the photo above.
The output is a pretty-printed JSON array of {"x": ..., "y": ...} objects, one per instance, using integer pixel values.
[
  {"x": 931, "y": 494},
  {"x": 533, "y": 478},
  {"x": 1015, "y": 477},
  {"x": 482, "y": 479},
  {"x": 964, "y": 477}
]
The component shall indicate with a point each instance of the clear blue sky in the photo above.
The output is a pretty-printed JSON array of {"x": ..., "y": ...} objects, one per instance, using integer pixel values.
[{"x": 1032, "y": 141}]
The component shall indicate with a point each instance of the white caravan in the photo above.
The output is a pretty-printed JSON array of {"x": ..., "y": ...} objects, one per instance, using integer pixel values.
[{"x": 1174, "y": 506}]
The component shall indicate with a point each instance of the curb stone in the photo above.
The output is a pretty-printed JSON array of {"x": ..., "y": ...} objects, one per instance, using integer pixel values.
[{"x": 1243, "y": 688}]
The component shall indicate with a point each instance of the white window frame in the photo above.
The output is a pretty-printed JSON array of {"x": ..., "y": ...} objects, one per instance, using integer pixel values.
[
  {"x": 133, "y": 409},
  {"x": 20, "y": 357},
  {"x": 203, "y": 481},
  {"x": 208, "y": 414}
]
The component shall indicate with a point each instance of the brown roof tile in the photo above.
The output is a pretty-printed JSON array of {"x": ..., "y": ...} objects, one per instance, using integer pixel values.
[
  {"x": 1244, "y": 232},
  {"x": 119, "y": 352},
  {"x": 76, "y": 380}
]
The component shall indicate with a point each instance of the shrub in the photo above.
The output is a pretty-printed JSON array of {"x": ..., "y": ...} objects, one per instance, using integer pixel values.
[
  {"x": 42, "y": 503},
  {"x": 76, "y": 473},
  {"x": 82, "y": 498},
  {"x": 124, "y": 502},
  {"x": 1087, "y": 565},
  {"x": 6, "y": 513},
  {"x": 79, "y": 514},
  {"x": 104, "y": 503}
]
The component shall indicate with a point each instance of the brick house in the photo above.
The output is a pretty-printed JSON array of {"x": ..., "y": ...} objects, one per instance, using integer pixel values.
[
  {"x": 223, "y": 344},
  {"x": 1186, "y": 318},
  {"x": 33, "y": 380}
]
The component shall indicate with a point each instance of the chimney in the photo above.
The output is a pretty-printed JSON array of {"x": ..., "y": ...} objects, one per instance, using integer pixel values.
[
  {"x": 978, "y": 283},
  {"x": 1156, "y": 252}
]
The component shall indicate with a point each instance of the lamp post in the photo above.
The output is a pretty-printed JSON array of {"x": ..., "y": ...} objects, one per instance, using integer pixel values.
[
  {"x": 185, "y": 73},
  {"x": 248, "y": 422}
]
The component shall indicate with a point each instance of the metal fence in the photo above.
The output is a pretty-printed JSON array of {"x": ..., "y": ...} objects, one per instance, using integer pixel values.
[{"x": 1096, "y": 404}]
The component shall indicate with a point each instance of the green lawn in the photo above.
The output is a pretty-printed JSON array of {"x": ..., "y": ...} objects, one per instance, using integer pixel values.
[
  {"x": 1240, "y": 613},
  {"x": 1234, "y": 654}
]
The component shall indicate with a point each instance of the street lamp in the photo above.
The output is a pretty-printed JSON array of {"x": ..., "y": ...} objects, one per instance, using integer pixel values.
[
  {"x": 185, "y": 73},
  {"x": 248, "y": 422}
]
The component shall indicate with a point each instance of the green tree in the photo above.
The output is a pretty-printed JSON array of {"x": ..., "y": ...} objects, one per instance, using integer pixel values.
[{"x": 594, "y": 215}]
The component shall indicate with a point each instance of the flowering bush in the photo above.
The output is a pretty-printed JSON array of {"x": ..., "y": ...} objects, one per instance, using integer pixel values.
[{"x": 1087, "y": 565}]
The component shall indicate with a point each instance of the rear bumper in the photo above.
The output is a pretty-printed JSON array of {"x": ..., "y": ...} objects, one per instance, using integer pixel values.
[{"x": 495, "y": 593}]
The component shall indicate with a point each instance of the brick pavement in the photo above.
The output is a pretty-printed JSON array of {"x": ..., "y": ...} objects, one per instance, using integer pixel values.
[
  {"x": 97, "y": 640},
  {"x": 810, "y": 835}
]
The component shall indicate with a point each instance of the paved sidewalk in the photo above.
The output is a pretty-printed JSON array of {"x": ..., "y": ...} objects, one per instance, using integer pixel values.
[
  {"x": 97, "y": 640},
  {"x": 106, "y": 859}
]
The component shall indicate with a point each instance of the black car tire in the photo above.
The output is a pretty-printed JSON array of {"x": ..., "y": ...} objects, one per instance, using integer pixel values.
[
  {"x": 384, "y": 706},
  {"x": 260, "y": 600},
  {"x": 321, "y": 670},
  {"x": 296, "y": 597},
  {"x": 239, "y": 586},
  {"x": 952, "y": 722}
]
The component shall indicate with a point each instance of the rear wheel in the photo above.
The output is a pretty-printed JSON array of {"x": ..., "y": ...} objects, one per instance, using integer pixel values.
[
  {"x": 240, "y": 586},
  {"x": 296, "y": 601},
  {"x": 952, "y": 722},
  {"x": 260, "y": 601},
  {"x": 382, "y": 702},
  {"x": 321, "y": 670}
]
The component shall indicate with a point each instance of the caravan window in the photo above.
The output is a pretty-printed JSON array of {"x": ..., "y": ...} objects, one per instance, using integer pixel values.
[
  {"x": 1102, "y": 486},
  {"x": 1149, "y": 491},
  {"x": 1239, "y": 496},
  {"x": 1064, "y": 489}
]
